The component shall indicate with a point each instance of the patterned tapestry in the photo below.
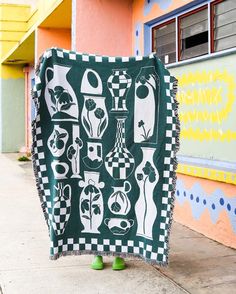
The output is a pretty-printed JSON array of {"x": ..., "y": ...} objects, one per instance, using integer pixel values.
[{"x": 104, "y": 148}]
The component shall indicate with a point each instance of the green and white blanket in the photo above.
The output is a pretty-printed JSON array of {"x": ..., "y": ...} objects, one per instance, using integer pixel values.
[{"x": 104, "y": 148}]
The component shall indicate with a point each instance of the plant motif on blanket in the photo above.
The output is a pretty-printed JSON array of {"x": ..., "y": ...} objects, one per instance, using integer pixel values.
[
  {"x": 91, "y": 202},
  {"x": 147, "y": 177},
  {"x": 146, "y": 107},
  {"x": 59, "y": 95},
  {"x": 57, "y": 141},
  {"x": 118, "y": 201},
  {"x": 94, "y": 113},
  {"x": 119, "y": 204},
  {"x": 73, "y": 152},
  {"x": 61, "y": 99},
  {"x": 94, "y": 116}
]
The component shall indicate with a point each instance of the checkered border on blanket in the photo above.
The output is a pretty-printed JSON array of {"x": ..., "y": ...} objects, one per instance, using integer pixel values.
[
  {"x": 38, "y": 155},
  {"x": 107, "y": 246},
  {"x": 170, "y": 163},
  {"x": 112, "y": 247},
  {"x": 72, "y": 55}
]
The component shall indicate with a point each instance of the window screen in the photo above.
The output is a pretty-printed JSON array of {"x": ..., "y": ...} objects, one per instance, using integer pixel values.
[
  {"x": 224, "y": 25},
  {"x": 164, "y": 42},
  {"x": 194, "y": 34}
]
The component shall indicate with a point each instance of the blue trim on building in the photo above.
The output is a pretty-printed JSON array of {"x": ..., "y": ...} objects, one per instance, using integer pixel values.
[
  {"x": 213, "y": 164},
  {"x": 179, "y": 10},
  {"x": 173, "y": 13},
  {"x": 147, "y": 41}
]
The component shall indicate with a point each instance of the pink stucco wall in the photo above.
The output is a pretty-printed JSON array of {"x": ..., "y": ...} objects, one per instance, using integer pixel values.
[
  {"x": 104, "y": 27},
  {"x": 52, "y": 37}
]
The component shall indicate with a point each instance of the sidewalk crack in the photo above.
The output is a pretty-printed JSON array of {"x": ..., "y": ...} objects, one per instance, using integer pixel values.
[{"x": 172, "y": 281}]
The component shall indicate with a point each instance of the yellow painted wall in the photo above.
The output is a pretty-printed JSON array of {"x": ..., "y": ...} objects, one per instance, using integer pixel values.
[{"x": 11, "y": 72}]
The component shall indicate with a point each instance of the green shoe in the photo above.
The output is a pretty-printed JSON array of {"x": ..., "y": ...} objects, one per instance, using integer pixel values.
[
  {"x": 118, "y": 264},
  {"x": 97, "y": 263}
]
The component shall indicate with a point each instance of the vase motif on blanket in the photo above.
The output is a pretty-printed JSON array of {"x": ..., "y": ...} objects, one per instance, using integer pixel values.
[
  {"x": 119, "y": 83},
  {"x": 147, "y": 177},
  {"x": 119, "y": 161}
]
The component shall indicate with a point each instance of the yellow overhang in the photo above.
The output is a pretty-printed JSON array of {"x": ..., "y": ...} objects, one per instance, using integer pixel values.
[
  {"x": 60, "y": 17},
  {"x": 24, "y": 52},
  {"x": 57, "y": 15}
]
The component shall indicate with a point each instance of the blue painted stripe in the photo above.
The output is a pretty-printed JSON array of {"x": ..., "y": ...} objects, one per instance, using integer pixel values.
[
  {"x": 207, "y": 163},
  {"x": 200, "y": 200},
  {"x": 179, "y": 10},
  {"x": 147, "y": 40}
]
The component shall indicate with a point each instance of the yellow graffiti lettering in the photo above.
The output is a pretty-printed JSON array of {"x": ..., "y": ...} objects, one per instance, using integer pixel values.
[
  {"x": 206, "y": 90},
  {"x": 207, "y": 135},
  {"x": 200, "y": 96}
]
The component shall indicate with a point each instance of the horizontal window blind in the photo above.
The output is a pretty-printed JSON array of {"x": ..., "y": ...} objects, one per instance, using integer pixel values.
[
  {"x": 195, "y": 17},
  {"x": 195, "y": 51},
  {"x": 224, "y": 25},
  {"x": 224, "y": 6},
  {"x": 194, "y": 34},
  {"x": 165, "y": 42}
]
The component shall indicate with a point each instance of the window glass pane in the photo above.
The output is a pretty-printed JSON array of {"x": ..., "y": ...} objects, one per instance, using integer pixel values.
[
  {"x": 194, "y": 35},
  {"x": 166, "y": 39},
  {"x": 225, "y": 18},
  {"x": 165, "y": 29},
  {"x": 195, "y": 29},
  {"x": 224, "y": 25},
  {"x": 225, "y": 6},
  {"x": 169, "y": 48},
  {"x": 225, "y": 43},
  {"x": 193, "y": 18},
  {"x": 195, "y": 51},
  {"x": 165, "y": 42},
  {"x": 225, "y": 31}
]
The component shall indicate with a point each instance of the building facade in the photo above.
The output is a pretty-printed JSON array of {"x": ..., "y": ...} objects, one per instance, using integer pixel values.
[{"x": 196, "y": 40}]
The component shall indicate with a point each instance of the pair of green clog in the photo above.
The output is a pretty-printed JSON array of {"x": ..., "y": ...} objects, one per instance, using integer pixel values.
[{"x": 118, "y": 263}]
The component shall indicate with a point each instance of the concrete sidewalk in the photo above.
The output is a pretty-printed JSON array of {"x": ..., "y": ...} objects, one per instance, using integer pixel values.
[{"x": 197, "y": 264}]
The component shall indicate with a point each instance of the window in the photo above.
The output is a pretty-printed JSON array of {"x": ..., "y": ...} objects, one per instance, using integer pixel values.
[
  {"x": 193, "y": 34},
  {"x": 196, "y": 34},
  {"x": 224, "y": 25},
  {"x": 164, "y": 37}
]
